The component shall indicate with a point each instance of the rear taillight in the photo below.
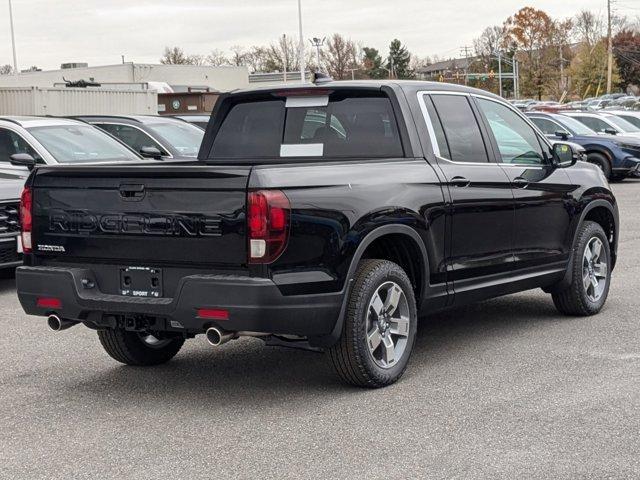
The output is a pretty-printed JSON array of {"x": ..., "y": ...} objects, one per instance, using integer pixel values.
[
  {"x": 268, "y": 218},
  {"x": 26, "y": 219}
]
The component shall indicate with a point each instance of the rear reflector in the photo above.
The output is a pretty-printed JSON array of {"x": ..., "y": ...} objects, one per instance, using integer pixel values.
[
  {"x": 213, "y": 313},
  {"x": 45, "y": 302}
]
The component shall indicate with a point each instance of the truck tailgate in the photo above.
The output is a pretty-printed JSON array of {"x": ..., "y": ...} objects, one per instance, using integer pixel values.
[{"x": 194, "y": 215}]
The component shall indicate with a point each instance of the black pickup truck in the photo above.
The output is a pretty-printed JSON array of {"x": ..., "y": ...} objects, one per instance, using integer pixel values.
[{"x": 330, "y": 216}]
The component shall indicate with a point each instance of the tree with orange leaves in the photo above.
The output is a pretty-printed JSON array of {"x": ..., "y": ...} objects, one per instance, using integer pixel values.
[{"x": 540, "y": 40}]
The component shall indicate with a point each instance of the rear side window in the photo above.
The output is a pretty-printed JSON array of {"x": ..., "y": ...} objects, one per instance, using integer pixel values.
[
  {"x": 330, "y": 127},
  {"x": 461, "y": 129},
  {"x": 132, "y": 136},
  {"x": 594, "y": 123},
  {"x": 631, "y": 119},
  {"x": 547, "y": 126}
]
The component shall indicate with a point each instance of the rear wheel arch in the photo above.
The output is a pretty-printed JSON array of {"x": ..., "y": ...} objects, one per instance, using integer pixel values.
[
  {"x": 374, "y": 239},
  {"x": 399, "y": 244},
  {"x": 603, "y": 213}
]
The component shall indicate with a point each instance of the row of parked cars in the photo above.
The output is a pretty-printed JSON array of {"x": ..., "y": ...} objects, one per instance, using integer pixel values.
[
  {"x": 611, "y": 139},
  {"x": 612, "y": 101},
  {"x": 29, "y": 141}
]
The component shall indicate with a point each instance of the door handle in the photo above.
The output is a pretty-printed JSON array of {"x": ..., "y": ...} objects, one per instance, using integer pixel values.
[
  {"x": 460, "y": 182},
  {"x": 520, "y": 182}
]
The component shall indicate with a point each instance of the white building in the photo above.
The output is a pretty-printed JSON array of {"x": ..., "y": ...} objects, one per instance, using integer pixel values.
[{"x": 181, "y": 76}]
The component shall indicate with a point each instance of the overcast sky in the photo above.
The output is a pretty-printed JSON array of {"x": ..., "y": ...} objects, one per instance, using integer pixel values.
[{"x": 50, "y": 32}]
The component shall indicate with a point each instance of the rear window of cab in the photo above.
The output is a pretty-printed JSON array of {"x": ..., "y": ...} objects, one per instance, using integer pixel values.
[{"x": 322, "y": 126}]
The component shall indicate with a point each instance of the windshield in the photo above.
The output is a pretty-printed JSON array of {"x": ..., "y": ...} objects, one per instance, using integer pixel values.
[
  {"x": 623, "y": 124},
  {"x": 81, "y": 143},
  {"x": 574, "y": 125},
  {"x": 183, "y": 137}
]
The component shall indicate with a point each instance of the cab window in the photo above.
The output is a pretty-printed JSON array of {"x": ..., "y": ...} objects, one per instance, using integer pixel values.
[
  {"x": 461, "y": 131},
  {"x": 517, "y": 142}
]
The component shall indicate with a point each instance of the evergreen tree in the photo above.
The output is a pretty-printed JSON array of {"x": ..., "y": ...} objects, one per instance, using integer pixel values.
[
  {"x": 399, "y": 61},
  {"x": 372, "y": 63}
]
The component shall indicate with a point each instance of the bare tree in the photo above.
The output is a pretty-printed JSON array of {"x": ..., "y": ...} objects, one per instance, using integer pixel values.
[
  {"x": 588, "y": 28},
  {"x": 283, "y": 54},
  {"x": 238, "y": 56},
  {"x": 340, "y": 57},
  {"x": 217, "y": 58},
  {"x": 491, "y": 40},
  {"x": 175, "y": 56},
  {"x": 256, "y": 59}
]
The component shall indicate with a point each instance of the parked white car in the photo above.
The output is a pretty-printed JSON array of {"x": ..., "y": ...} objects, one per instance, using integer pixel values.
[
  {"x": 25, "y": 141},
  {"x": 630, "y": 116},
  {"x": 606, "y": 123}
]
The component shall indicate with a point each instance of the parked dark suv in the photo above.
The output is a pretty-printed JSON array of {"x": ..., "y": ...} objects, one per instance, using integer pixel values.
[
  {"x": 617, "y": 156},
  {"x": 326, "y": 215}
]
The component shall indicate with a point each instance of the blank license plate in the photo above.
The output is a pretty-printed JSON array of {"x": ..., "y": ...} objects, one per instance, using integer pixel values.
[{"x": 141, "y": 282}]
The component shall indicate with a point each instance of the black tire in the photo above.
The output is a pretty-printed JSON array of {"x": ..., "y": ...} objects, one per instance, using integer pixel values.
[
  {"x": 575, "y": 299},
  {"x": 351, "y": 356},
  {"x": 601, "y": 162},
  {"x": 130, "y": 348}
]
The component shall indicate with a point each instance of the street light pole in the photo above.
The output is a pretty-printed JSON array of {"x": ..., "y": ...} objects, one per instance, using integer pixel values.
[
  {"x": 303, "y": 66},
  {"x": 317, "y": 42},
  {"x": 13, "y": 41}
]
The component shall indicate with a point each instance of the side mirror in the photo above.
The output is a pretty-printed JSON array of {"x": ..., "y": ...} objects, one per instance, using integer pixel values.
[
  {"x": 23, "y": 160},
  {"x": 563, "y": 134},
  {"x": 610, "y": 131},
  {"x": 564, "y": 155},
  {"x": 151, "y": 152}
]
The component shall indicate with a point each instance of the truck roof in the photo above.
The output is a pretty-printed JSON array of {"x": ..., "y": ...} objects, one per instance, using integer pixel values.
[{"x": 405, "y": 85}]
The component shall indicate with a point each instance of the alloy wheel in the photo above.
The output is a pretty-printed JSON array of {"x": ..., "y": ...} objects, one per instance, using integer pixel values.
[
  {"x": 594, "y": 269},
  {"x": 388, "y": 320}
]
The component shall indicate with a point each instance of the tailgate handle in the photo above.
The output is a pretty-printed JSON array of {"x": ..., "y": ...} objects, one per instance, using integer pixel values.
[{"x": 132, "y": 193}]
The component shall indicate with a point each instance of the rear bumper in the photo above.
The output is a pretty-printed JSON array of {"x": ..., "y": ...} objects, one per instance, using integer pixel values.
[{"x": 253, "y": 304}]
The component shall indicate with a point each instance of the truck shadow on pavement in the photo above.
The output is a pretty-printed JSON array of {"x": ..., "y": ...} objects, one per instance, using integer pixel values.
[
  {"x": 245, "y": 372},
  {"x": 7, "y": 282}
]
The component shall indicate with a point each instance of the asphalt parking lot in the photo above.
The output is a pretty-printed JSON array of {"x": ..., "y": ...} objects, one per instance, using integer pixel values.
[{"x": 503, "y": 389}]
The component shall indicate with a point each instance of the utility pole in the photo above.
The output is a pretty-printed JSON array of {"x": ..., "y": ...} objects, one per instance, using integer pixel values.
[
  {"x": 609, "y": 48},
  {"x": 561, "y": 67},
  {"x": 13, "y": 41},
  {"x": 303, "y": 66},
  {"x": 516, "y": 78},
  {"x": 284, "y": 44},
  {"x": 500, "y": 72},
  {"x": 465, "y": 51}
]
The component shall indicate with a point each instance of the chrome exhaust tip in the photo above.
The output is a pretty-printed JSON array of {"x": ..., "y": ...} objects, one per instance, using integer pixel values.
[
  {"x": 217, "y": 337},
  {"x": 58, "y": 324}
]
